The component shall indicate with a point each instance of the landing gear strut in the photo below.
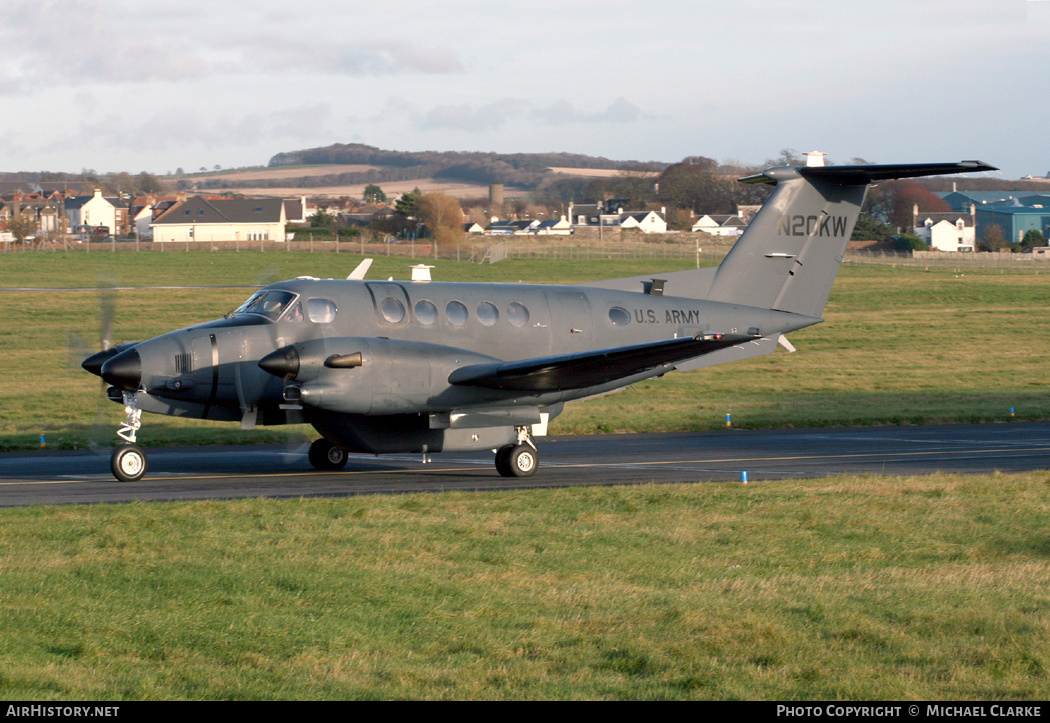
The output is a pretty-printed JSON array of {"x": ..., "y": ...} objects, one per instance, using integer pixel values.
[
  {"x": 129, "y": 461},
  {"x": 518, "y": 460},
  {"x": 326, "y": 456}
]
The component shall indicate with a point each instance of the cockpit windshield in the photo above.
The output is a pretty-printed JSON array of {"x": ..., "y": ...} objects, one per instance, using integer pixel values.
[{"x": 268, "y": 303}]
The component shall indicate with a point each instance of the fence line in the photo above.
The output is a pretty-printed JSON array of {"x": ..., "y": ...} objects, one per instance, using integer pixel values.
[
  {"x": 958, "y": 262},
  {"x": 702, "y": 251},
  {"x": 476, "y": 249}
]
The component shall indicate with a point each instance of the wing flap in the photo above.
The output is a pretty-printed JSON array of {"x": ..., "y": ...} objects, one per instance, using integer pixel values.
[
  {"x": 752, "y": 348},
  {"x": 590, "y": 368}
]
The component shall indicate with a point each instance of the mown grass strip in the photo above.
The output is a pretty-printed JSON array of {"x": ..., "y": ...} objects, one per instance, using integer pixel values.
[{"x": 847, "y": 587}]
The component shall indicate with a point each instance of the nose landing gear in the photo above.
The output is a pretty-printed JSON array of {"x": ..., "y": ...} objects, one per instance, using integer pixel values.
[{"x": 129, "y": 461}]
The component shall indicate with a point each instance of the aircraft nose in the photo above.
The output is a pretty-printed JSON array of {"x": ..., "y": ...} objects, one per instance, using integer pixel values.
[{"x": 123, "y": 371}]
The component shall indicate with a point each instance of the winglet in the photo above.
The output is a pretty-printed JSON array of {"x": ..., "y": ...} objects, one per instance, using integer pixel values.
[{"x": 358, "y": 274}]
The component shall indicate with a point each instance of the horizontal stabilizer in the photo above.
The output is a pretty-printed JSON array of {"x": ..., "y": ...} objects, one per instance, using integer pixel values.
[
  {"x": 588, "y": 369},
  {"x": 864, "y": 175}
]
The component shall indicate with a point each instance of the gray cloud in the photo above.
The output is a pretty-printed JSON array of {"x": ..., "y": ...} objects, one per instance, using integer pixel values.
[
  {"x": 498, "y": 114},
  {"x": 358, "y": 58},
  {"x": 395, "y": 58},
  {"x": 47, "y": 43},
  {"x": 467, "y": 118},
  {"x": 562, "y": 112},
  {"x": 175, "y": 128}
]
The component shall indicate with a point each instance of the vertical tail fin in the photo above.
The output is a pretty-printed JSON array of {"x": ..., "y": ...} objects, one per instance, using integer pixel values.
[{"x": 789, "y": 255}]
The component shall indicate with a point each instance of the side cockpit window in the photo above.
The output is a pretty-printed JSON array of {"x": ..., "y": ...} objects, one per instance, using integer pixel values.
[
  {"x": 268, "y": 302},
  {"x": 295, "y": 313},
  {"x": 321, "y": 311}
]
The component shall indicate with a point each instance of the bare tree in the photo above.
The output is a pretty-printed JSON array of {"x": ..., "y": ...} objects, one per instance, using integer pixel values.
[
  {"x": 443, "y": 216},
  {"x": 696, "y": 184},
  {"x": 993, "y": 239},
  {"x": 894, "y": 201},
  {"x": 22, "y": 226}
]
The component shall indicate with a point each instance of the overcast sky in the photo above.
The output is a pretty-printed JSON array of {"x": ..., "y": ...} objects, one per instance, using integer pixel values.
[{"x": 116, "y": 85}]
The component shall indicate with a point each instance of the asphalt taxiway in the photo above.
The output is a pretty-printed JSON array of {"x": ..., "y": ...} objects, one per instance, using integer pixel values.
[{"x": 194, "y": 473}]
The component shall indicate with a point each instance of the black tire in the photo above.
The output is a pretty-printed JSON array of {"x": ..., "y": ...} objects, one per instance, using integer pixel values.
[
  {"x": 522, "y": 461},
  {"x": 326, "y": 456},
  {"x": 502, "y": 461},
  {"x": 129, "y": 462}
]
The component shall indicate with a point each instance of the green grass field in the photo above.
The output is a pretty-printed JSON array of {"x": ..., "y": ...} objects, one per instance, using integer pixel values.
[
  {"x": 846, "y": 588},
  {"x": 850, "y": 588},
  {"x": 900, "y": 346}
]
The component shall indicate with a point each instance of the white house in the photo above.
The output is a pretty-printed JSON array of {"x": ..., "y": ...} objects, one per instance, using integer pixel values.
[
  {"x": 237, "y": 219},
  {"x": 144, "y": 209},
  {"x": 550, "y": 227},
  {"x": 720, "y": 225},
  {"x": 518, "y": 228},
  {"x": 584, "y": 214},
  {"x": 646, "y": 221},
  {"x": 952, "y": 231},
  {"x": 92, "y": 211},
  {"x": 143, "y": 216}
]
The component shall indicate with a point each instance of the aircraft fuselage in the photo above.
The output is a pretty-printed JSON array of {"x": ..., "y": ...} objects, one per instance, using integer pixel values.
[{"x": 411, "y": 336}]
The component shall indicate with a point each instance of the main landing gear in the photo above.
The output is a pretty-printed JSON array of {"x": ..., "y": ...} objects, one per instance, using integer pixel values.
[
  {"x": 512, "y": 460},
  {"x": 129, "y": 461},
  {"x": 518, "y": 460},
  {"x": 326, "y": 456}
]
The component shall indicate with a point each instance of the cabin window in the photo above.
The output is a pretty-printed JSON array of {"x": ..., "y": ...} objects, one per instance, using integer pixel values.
[
  {"x": 426, "y": 312},
  {"x": 619, "y": 316},
  {"x": 393, "y": 311},
  {"x": 517, "y": 314},
  {"x": 456, "y": 312},
  {"x": 488, "y": 314},
  {"x": 321, "y": 311}
]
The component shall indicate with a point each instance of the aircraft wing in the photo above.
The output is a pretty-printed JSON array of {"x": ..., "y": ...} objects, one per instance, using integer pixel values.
[{"x": 589, "y": 368}]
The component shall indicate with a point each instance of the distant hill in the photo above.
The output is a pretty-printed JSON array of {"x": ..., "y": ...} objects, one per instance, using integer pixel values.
[{"x": 521, "y": 170}]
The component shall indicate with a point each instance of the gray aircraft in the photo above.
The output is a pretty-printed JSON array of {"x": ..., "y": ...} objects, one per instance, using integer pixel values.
[{"x": 420, "y": 366}]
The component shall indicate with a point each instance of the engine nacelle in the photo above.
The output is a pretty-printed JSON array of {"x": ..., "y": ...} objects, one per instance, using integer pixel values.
[{"x": 374, "y": 376}]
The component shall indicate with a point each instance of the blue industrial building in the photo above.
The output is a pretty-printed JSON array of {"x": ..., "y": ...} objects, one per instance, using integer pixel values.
[{"x": 1015, "y": 221}]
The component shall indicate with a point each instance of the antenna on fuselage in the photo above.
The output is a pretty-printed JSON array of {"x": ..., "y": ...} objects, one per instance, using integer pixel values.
[
  {"x": 358, "y": 274},
  {"x": 420, "y": 272}
]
